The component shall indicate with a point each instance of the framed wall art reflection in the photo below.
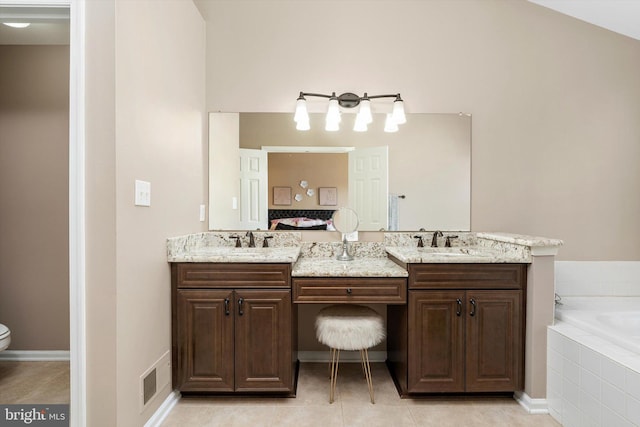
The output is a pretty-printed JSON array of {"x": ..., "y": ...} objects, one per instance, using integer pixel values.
[
  {"x": 328, "y": 196},
  {"x": 282, "y": 195}
]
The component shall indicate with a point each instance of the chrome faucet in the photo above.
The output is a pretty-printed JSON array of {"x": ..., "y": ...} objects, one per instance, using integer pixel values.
[
  {"x": 434, "y": 240},
  {"x": 252, "y": 240}
]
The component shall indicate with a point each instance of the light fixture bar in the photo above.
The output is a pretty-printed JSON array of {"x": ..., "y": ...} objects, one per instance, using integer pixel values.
[{"x": 349, "y": 100}]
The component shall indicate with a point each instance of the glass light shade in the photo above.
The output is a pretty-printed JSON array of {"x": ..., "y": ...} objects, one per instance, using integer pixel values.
[
  {"x": 303, "y": 125},
  {"x": 301, "y": 115},
  {"x": 333, "y": 112},
  {"x": 360, "y": 125},
  {"x": 365, "y": 111},
  {"x": 398, "y": 112},
  {"x": 390, "y": 125}
]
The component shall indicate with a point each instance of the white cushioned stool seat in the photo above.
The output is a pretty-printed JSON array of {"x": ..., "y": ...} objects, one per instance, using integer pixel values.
[{"x": 349, "y": 327}]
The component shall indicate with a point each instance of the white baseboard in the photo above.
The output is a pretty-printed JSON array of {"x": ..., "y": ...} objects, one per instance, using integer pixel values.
[
  {"x": 159, "y": 416},
  {"x": 345, "y": 356},
  {"x": 35, "y": 355},
  {"x": 532, "y": 406}
]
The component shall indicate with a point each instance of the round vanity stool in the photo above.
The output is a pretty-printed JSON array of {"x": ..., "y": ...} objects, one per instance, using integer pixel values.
[{"x": 349, "y": 327}]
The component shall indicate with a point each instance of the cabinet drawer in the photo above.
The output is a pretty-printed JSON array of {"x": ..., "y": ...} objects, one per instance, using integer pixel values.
[
  {"x": 467, "y": 276},
  {"x": 385, "y": 290},
  {"x": 232, "y": 275}
]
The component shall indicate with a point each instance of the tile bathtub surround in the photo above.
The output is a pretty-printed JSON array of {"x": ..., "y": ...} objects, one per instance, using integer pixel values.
[
  {"x": 591, "y": 382},
  {"x": 352, "y": 407}
]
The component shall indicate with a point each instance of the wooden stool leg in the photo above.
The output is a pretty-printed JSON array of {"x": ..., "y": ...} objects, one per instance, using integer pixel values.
[
  {"x": 335, "y": 359},
  {"x": 368, "y": 375}
]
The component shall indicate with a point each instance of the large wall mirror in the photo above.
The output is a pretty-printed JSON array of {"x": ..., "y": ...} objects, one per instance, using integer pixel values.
[{"x": 259, "y": 163}]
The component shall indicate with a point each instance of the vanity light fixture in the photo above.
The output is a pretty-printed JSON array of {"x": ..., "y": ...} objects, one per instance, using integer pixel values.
[{"x": 350, "y": 100}]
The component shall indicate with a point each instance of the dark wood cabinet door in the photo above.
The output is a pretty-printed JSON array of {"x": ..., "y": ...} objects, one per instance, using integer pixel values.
[
  {"x": 205, "y": 340},
  {"x": 263, "y": 340},
  {"x": 436, "y": 341},
  {"x": 494, "y": 341}
]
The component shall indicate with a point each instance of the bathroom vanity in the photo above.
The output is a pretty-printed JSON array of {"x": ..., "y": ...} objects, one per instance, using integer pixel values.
[{"x": 456, "y": 317}]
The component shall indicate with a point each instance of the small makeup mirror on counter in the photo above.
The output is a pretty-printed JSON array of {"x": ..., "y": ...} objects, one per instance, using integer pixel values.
[{"x": 345, "y": 220}]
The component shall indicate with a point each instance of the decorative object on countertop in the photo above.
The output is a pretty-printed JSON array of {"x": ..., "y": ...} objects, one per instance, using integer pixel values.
[
  {"x": 345, "y": 220},
  {"x": 350, "y": 100},
  {"x": 281, "y": 195},
  {"x": 349, "y": 327}
]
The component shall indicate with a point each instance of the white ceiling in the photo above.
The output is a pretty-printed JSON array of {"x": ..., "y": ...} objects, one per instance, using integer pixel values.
[
  {"x": 51, "y": 25},
  {"x": 620, "y": 16}
]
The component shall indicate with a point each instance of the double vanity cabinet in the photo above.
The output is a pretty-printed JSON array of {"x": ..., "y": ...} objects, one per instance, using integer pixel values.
[{"x": 455, "y": 324}]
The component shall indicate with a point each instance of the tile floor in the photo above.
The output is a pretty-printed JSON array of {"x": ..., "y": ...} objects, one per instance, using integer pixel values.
[
  {"x": 34, "y": 382},
  {"x": 352, "y": 407}
]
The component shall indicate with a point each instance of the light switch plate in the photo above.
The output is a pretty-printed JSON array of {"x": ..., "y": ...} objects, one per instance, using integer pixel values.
[
  {"x": 203, "y": 212},
  {"x": 142, "y": 193}
]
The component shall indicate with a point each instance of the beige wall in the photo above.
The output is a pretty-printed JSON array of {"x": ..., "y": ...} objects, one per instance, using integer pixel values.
[
  {"x": 145, "y": 120},
  {"x": 555, "y": 101},
  {"x": 319, "y": 170},
  {"x": 34, "y": 196},
  {"x": 100, "y": 205}
]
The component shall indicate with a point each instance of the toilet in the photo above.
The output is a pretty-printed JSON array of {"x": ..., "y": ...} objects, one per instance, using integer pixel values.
[{"x": 5, "y": 337}]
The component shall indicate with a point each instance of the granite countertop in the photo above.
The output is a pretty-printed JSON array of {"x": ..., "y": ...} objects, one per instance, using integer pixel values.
[
  {"x": 359, "y": 267},
  {"x": 370, "y": 258},
  {"x": 519, "y": 239},
  {"x": 454, "y": 255},
  {"x": 231, "y": 254}
]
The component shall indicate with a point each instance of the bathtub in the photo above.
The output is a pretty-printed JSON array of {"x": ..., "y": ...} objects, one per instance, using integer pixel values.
[
  {"x": 616, "y": 319},
  {"x": 593, "y": 362}
]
